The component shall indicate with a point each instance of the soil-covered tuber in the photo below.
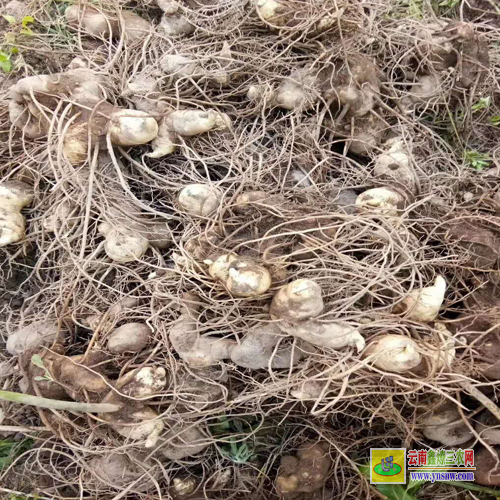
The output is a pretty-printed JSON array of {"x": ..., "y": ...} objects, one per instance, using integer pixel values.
[
  {"x": 381, "y": 201},
  {"x": 119, "y": 470},
  {"x": 32, "y": 336},
  {"x": 444, "y": 424},
  {"x": 131, "y": 337},
  {"x": 259, "y": 350},
  {"x": 305, "y": 473},
  {"x": 242, "y": 277},
  {"x": 487, "y": 466},
  {"x": 127, "y": 240},
  {"x": 14, "y": 196}
]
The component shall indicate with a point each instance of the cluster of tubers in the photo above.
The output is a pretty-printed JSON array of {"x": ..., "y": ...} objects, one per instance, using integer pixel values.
[{"x": 221, "y": 246}]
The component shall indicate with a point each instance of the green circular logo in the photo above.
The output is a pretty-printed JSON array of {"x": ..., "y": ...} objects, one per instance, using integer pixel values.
[{"x": 396, "y": 469}]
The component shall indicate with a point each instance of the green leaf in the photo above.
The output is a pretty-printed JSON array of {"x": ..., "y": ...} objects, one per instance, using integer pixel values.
[
  {"x": 27, "y": 20},
  {"x": 37, "y": 360},
  {"x": 9, "y": 19},
  {"x": 3, "y": 56},
  {"x": 14, "y": 50},
  {"x": 495, "y": 120},
  {"x": 483, "y": 103},
  {"x": 26, "y": 31},
  {"x": 472, "y": 487},
  {"x": 6, "y": 66},
  {"x": 40, "y": 379}
]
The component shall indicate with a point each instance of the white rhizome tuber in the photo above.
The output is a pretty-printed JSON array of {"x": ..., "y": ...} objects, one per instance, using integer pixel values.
[
  {"x": 423, "y": 304},
  {"x": 14, "y": 196},
  {"x": 199, "y": 199},
  {"x": 242, "y": 277},
  {"x": 394, "y": 353},
  {"x": 185, "y": 123},
  {"x": 296, "y": 306}
]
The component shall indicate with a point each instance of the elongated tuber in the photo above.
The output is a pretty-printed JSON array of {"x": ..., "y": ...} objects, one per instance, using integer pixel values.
[
  {"x": 394, "y": 353},
  {"x": 131, "y": 337},
  {"x": 200, "y": 199},
  {"x": 32, "y": 336},
  {"x": 296, "y": 306},
  {"x": 14, "y": 196},
  {"x": 186, "y": 123},
  {"x": 423, "y": 304}
]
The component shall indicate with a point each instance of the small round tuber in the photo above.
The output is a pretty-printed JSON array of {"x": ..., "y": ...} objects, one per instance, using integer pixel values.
[
  {"x": 382, "y": 201},
  {"x": 200, "y": 199},
  {"x": 123, "y": 244},
  {"x": 394, "y": 353},
  {"x": 247, "y": 279}
]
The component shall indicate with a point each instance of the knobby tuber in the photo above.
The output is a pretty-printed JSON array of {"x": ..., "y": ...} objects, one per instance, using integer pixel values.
[
  {"x": 131, "y": 337},
  {"x": 174, "y": 23},
  {"x": 142, "y": 382},
  {"x": 242, "y": 277},
  {"x": 297, "y": 304},
  {"x": 305, "y": 473},
  {"x": 196, "y": 350},
  {"x": 394, "y": 165},
  {"x": 200, "y": 199},
  {"x": 14, "y": 196},
  {"x": 444, "y": 424},
  {"x": 60, "y": 218}
]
